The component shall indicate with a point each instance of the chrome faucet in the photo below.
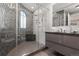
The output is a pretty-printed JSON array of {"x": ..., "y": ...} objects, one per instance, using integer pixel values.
[
  {"x": 64, "y": 31},
  {"x": 61, "y": 29}
]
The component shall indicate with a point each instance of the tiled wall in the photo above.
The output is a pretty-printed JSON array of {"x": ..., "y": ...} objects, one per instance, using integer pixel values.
[{"x": 68, "y": 29}]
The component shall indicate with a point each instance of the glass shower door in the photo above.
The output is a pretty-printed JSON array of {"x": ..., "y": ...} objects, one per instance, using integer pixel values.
[
  {"x": 26, "y": 39},
  {"x": 7, "y": 28}
]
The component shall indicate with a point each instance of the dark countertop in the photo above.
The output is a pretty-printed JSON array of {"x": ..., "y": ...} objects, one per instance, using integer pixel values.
[{"x": 61, "y": 33}]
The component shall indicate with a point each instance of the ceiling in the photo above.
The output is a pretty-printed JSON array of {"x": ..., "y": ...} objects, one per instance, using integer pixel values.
[
  {"x": 34, "y": 6},
  {"x": 60, "y": 6},
  {"x": 70, "y": 7}
]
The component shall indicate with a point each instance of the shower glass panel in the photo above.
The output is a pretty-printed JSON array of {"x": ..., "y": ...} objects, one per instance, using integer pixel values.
[
  {"x": 7, "y": 28},
  {"x": 26, "y": 39},
  {"x": 40, "y": 12}
]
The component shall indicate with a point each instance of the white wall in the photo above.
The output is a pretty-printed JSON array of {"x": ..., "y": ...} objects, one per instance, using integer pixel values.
[{"x": 48, "y": 20}]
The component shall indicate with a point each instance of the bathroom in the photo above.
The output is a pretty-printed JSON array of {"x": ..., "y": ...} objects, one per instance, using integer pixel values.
[{"x": 27, "y": 28}]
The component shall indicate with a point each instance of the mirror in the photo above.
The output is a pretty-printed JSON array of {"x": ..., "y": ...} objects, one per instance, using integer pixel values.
[
  {"x": 65, "y": 14},
  {"x": 58, "y": 18},
  {"x": 73, "y": 14}
]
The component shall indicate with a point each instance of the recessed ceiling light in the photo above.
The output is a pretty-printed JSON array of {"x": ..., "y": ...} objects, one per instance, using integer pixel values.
[{"x": 32, "y": 7}]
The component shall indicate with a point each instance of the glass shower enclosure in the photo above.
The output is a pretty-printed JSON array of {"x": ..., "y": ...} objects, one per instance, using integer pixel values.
[
  {"x": 7, "y": 28},
  {"x": 21, "y": 31}
]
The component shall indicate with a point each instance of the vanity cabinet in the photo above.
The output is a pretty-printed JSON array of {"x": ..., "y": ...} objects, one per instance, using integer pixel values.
[
  {"x": 71, "y": 41},
  {"x": 64, "y": 43},
  {"x": 54, "y": 37}
]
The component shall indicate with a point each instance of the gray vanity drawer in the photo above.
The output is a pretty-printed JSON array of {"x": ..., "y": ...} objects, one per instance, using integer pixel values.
[
  {"x": 54, "y": 38},
  {"x": 72, "y": 41},
  {"x": 65, "y": 50}
]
